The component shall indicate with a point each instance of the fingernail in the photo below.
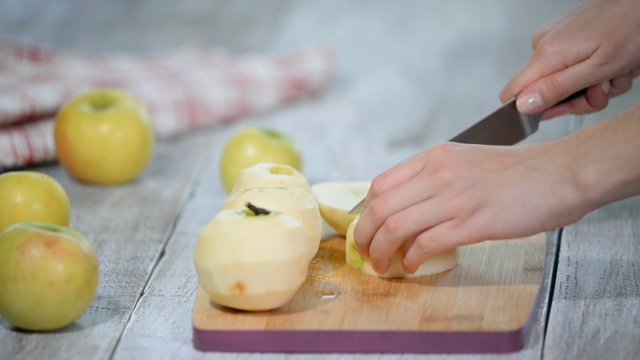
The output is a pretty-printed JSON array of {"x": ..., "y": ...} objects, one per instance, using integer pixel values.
[
  {"x": 606, "y": 87},
  {"x": 381, "y": 268},
  {"x": 529, "y": 103}
]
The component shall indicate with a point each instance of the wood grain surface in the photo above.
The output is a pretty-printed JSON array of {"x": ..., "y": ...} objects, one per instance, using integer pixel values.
[
  {"x": 492, "y": 289},
  {"x": 411, "y": 73}
]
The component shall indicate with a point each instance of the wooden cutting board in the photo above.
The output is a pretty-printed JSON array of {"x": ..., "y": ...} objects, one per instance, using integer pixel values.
[{"x": 482, "y": 305}]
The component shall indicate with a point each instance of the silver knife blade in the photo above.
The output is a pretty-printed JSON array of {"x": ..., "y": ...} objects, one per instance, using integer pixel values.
[{"x": 505, "y": 126}]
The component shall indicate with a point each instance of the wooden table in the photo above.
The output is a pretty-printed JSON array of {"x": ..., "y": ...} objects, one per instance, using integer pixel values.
[{"x": 411, "y": 74}]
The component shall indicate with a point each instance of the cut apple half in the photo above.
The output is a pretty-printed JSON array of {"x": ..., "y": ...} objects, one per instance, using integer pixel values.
[
  {"x": 336, "y": 199},
  {"x": 437, "y": 264}
]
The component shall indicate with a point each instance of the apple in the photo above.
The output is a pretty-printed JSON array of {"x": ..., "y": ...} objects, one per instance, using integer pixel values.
[
  {"x": 48, "y": 275},
  {"x": 291, "y": 201},
  {"x": 336, "y": 199},
  {"x": 32, "y": 196},
  {"x": 253, "y": 145},
  {"x": 273, "y": 175},
  {"x": 251, "y": 258},
  {"x": 104, "y": 137},
  {"x": 437, "y": 264}
]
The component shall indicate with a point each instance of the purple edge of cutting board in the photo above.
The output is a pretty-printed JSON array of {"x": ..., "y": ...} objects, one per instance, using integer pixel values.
[{"x": 374, "y": 341}]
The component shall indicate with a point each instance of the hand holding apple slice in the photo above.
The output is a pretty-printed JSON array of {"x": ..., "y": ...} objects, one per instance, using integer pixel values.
[
  {"x": 252, "y": 259},
  {"x": 291, "y": 201},
  {"x": 437, "y": 264},
  {"x": 272, "y": 175},
  {"x": 336, "y": 199}
]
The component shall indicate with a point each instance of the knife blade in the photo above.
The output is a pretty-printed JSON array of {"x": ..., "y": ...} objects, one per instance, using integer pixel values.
[{"x": 505, "y": 126}]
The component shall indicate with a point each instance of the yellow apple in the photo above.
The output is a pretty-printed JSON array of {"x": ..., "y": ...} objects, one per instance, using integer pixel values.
[
  {"x": 32, "y": 196},
  {"x": 252, "y": 259},
  {"x": 104, "y": 137},
  {"x": 336, "y": 199},
  {"x": 291, "y": 201},
  {"x": 271, "y": 175},
  {"x": 48, "y": 275},
  {"x": 254, "y": 145},
  {"x": 437, "y": 264}
]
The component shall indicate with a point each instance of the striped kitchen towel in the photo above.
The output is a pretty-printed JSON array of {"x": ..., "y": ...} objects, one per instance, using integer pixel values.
[{"x": 183, "y": 90}]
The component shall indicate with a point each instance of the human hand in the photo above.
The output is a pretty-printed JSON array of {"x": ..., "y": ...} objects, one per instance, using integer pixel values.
[
  {"x": 596, "y": 47},
  {"x": 458, "y": 194}
]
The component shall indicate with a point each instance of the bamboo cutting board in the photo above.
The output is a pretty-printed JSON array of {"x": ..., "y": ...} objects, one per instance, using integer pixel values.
[{"x": 482, "y": 305}]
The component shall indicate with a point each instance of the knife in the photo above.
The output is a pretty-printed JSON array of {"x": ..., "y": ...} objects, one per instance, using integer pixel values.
[{"x": 505, "y": 126}]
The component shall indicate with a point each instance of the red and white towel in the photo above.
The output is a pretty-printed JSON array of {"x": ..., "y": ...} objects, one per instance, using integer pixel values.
[{"x": 183, "y": 91}]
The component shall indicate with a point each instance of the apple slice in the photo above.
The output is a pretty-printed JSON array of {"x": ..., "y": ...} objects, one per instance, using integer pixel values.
[
  {"x": 291, "y": 201},
  {"x": 252, "y": 259},
  {"x": 336, "y": 199},
  {"x": 437, "y": 264},
  {"x": 267, "y": 174}
]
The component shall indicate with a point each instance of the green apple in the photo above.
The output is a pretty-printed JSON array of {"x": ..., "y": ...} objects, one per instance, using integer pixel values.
[
  {"x": 265, "y": 174},
  {"x": 104, "y": 137},
  {"x": 437, "y": 264},
  {"x": 336, "y": 199},
  {"x": 252, "y": 259},
  {"x": 48, "y": 275},
  {"x": 32, "y": 196},
  {"x": 291, "y": 201},
  {"x": 253, "y": 145}
]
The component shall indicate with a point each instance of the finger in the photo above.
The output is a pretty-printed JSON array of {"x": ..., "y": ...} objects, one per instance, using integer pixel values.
[
  {"x": 438, "y": 239},
  {"x": 621, "y": 84},
  {"x": 404, "y": 225},
  {"x": 383, "y": 206},
  {"x": 396, "y": 175},
  {"x": 595, "y": 99},
  {"x": 542, "y": 32},
  {"x": 541, "y": 64},
  {"x": 550, "y": 90}
]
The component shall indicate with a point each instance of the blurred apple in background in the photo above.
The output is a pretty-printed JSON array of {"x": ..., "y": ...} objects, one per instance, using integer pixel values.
[
  {"x": 32, "y": 196},
  {"x": 104, "y": 137},
  {"x": 254, "y": 145},
  {"x": 48, "y": 275}
]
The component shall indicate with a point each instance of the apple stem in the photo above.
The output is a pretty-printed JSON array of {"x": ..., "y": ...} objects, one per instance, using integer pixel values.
[{"x": 256, "y": 210}]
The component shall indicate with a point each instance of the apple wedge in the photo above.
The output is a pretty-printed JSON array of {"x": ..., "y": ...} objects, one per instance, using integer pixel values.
[
  {"x": 272, "y": 175},
  {"x": 336, "y": 199},
  {"x": 437, "y": 264}
]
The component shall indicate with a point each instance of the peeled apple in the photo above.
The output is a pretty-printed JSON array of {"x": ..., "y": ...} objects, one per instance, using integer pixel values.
[
  {"x": 437, "y": 264},
  {"x": 271, "y": 175},
  {"x": 291, "y": 201},
  {"x": 249, "y": 260}
]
